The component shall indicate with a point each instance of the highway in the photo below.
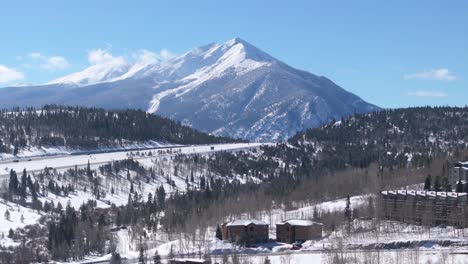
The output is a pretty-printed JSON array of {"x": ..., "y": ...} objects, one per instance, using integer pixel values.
[{"x": 97, "y": 158}]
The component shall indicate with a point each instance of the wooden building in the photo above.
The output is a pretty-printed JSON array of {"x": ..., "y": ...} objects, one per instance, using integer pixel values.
[
  {"x": 425, "y": 207},
  {"x": 246, "y": 232},
  {"x": 298, "y": 231}
]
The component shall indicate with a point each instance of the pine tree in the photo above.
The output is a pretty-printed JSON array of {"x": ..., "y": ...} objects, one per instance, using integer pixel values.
[
  {"x": 115, "y": 258},
  {"x": 157, "y": 258},
  {"x": 11, "y": 233},
  {"x": 348, "y": 214},
  {"x": 219, "y": 234},
  {"x": 89, "y": 173},
  {"x": 141, "y": 256},
  {"x": 13, "y": 183},
  {"x": 24, "y": 180},
  {"x": 171, "y": 254},
  {"x": 437, "y": 184},
  {"x": 267, "y": 261},
  {"x": 427, "y": 183},
  {"x": 7, "y": 215}
]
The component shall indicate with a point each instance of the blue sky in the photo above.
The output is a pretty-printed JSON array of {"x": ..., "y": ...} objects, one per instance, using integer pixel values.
[{"x": 391, "y": 53}]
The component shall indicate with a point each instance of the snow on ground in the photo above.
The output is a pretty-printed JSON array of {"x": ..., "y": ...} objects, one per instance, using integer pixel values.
[
  {"x": 31, "y": 152},
  {"x": 30, "y": 217},
  {"x": 121, "y": 185},
  {"x": 69, "y": 161},
  {"x": 363, "y": 246}
]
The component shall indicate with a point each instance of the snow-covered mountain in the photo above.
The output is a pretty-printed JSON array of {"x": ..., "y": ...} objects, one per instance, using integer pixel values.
[{"x": 232, "y": 89}]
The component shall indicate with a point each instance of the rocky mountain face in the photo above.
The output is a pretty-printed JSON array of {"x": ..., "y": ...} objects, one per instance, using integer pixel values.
[{"x": 232, "y": 89}]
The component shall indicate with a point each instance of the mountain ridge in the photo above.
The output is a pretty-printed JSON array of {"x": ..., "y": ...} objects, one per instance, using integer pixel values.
[{"x": 230, "y": 89}]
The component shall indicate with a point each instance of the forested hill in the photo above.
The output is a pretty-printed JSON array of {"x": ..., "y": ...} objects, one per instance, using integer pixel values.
[
  {"x": 78, "y": 127},
  {"x": 388, "y": 136},
  {"x": 365, "y": 153}
]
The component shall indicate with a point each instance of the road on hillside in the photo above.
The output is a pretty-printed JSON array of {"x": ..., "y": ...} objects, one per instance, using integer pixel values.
[{"x": 63, "y": 162}]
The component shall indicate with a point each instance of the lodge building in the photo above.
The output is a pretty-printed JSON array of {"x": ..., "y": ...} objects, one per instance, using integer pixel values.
[
  {"x": 246, "y": 232},
  {"x": 291, "y": 231},
  {"x": 459, "y": 172},
  {"x": 425, "y": 207}
]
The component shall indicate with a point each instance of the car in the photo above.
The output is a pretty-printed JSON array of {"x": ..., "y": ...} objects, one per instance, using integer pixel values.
[{"x": 296, "y": 246}]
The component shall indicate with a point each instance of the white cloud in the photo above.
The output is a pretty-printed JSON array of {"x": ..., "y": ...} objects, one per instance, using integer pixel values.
[
  {"x": 165, "y": 54},
  {"x": 8, "y": 75},
  {"x": 432, "y": 94},
  {"x": 52, "y": 63},
  {"x": 441, "y": 74},
  {"x": 146, "y": 57},
  {"x": 55, "y": 63},
  {"x": 35, "y": 55},
  {"x": 101, "y": 56}
]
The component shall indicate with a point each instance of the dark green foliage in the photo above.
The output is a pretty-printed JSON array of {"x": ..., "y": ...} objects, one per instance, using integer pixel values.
[
  {"x": 88, "y": 128},
  {"x": 437, "y": 184},
  {"x": 115, "y": 258},
  {"x": 219, "y": 234},
  {"x": 141, "y": 256},
  {"x": 157, "y": 258},
  {"x": 427, "y": 183}
]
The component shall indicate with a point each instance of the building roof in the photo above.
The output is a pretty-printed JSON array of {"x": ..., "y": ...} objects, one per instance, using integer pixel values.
[
  {"x": 246, "y": 222},
  {"x": 300, "y": 222},
  {"x": 193, "y": 260},
  {"x": 425, "y": 193},
  {"x": 461, "y": 164}
]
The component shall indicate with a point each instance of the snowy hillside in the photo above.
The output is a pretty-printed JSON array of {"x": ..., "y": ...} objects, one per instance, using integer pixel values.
[{"x": 231, "y": 89}]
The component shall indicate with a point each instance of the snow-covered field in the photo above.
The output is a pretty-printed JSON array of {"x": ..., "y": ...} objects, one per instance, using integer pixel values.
[
  {"x": 19, "y": 217},
  {"x": 393, "y": 243},
  {"x": 161, "y": 156}
]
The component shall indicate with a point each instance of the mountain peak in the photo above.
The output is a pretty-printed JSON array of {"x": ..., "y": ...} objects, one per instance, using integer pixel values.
[
  {"x": 235, "y": 41},
  {"x": 249, "y": 50}
]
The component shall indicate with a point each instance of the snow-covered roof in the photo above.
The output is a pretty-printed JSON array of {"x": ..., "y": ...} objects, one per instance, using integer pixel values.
[
  {"x": 421, "y": 193},
  {"x": 461, "y": 163},
  {"x": 246, "y": 222},
  {"x": 192, "y": 260},
  {"x": 300, "y": 222},
  {"x": 452, "y": 194},
  {"x": 441, "y": 194}
]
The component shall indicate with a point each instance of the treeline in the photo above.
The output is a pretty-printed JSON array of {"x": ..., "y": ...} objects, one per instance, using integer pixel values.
[
  {"x": 79, "y": 127},
  {"x": 390, "y": 137}
]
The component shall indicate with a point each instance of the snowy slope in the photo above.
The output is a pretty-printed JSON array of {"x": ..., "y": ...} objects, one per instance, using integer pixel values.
[{"x": 231, "y": 89}]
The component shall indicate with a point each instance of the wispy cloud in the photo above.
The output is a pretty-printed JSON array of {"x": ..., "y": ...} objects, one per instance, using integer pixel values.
[
  {"x": 423, "y": 93},
  {"x": 50, "y": 63},
  {"x": 55, "y": 63},
  {"x": 441, "y": 74},
  {"x": 8, "y": 75},
  {"x": 143, "y": 56},
  {"x": 166, "y": 54},
  {"x": 103, "y": 56}
]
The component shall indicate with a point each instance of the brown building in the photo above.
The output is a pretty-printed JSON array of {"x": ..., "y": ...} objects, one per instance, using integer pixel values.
[
  {"x": 425, "y": 207},
  {"x": 246, "y": 232},
  {"x": 298, "y": 230}
]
